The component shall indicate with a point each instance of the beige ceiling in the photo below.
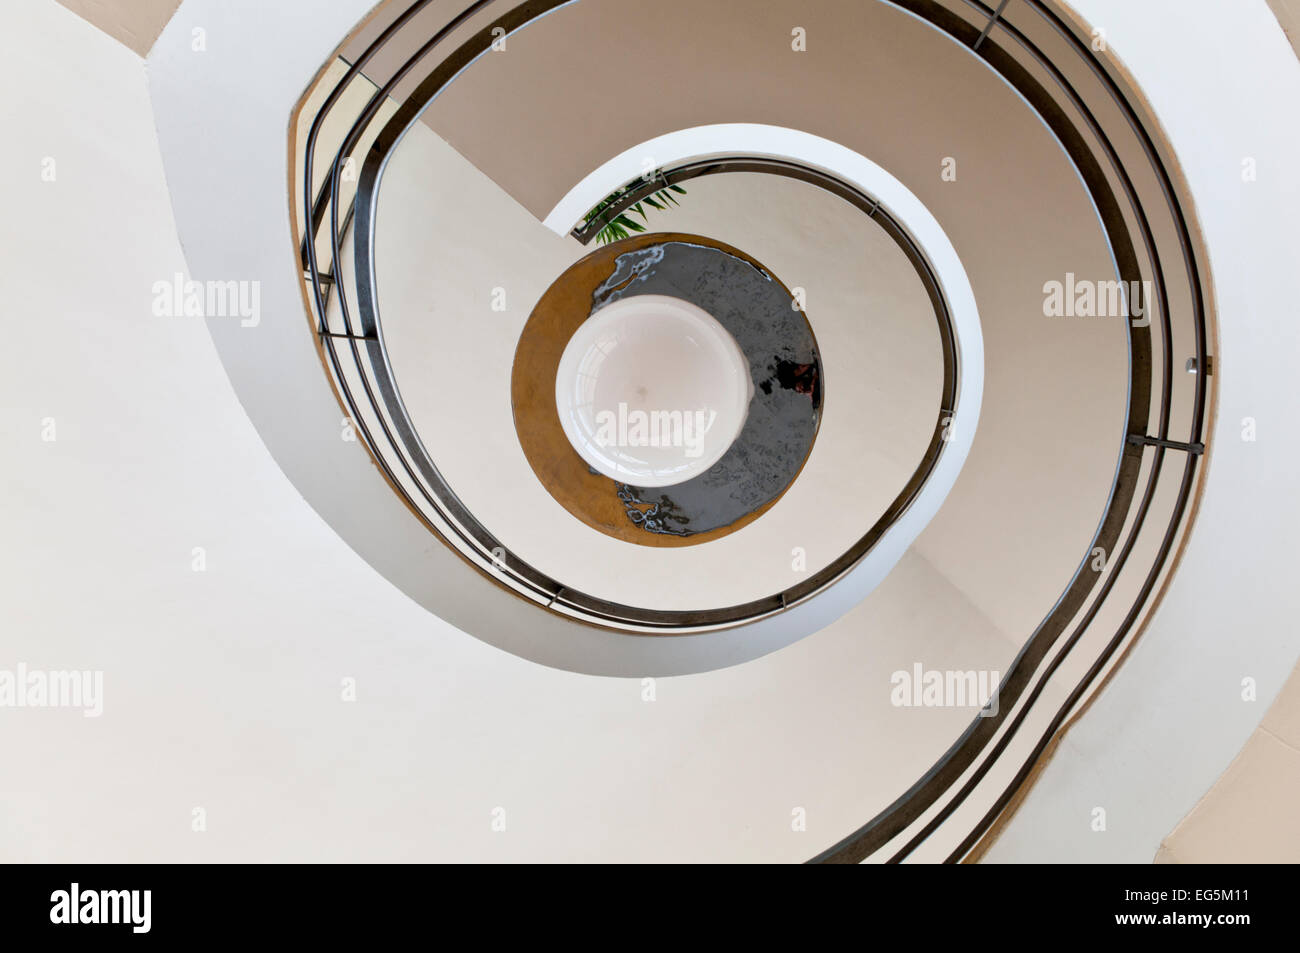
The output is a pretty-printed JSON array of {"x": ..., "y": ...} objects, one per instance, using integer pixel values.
[
  {"x": 1249, "y": 815},
  {"x": 1288, "y": 14},
  {"x": 137, "y": 23},
  {"x": 134, "y": 23}
]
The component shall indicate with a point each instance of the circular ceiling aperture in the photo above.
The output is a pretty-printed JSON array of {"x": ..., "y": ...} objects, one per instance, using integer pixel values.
[{"x": 666, "y": 453}]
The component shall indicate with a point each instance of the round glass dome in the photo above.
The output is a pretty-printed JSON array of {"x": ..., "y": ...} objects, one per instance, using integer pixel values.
[{"x": 652, "y": 391}]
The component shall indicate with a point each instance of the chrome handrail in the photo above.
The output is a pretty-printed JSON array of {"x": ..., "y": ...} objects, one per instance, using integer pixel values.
[{"x": 986, "y": 738}]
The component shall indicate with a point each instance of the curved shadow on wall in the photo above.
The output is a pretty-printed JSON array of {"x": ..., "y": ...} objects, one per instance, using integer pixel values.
[{"x": 1019, "y": 41}]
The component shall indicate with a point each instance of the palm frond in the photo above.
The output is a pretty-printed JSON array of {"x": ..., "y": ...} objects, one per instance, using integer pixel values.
[{"x": 622, "y": 224}]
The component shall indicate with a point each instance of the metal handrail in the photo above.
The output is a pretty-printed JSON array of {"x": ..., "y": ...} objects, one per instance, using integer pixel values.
[
  {"x": 940, "y": 780},
  {"x": 889, "y": 823},
  {"x": 495, "y": 559}
]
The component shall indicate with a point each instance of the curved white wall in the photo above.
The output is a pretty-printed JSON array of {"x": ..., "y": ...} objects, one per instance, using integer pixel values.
[
  {"x": 243, "y": 90},
  {"x": 447, "y": 236},
  {"x": 223, "y": 688},
  {"x": 1174, "y": 715},
  {"x": 247, "y": 657}
]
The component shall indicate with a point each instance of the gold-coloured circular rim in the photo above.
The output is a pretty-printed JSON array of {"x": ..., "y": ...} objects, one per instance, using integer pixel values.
[{"x": 592, "y": 497}]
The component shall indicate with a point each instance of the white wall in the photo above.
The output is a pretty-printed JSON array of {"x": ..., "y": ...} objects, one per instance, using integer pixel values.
[
  {"x": 1174, "y": 716},
  {"x": 154, "y": 456},
  {"x": 1054, "y": 407},
  {"x": 447, "y": 237},
  {"x": 222, "y": 688}
]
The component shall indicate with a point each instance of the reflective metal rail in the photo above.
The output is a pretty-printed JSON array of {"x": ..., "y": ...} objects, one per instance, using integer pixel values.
[
  {"x": 1081, "y": 98},
  {"x": 450, "y": 518}
]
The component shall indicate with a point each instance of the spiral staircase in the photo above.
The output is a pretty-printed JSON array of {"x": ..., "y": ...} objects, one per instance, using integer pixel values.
[{"x": 1071, "y": 503}]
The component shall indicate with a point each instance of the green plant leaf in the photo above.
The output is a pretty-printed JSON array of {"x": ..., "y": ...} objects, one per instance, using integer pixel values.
[{"x": 622, "y": 225}]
